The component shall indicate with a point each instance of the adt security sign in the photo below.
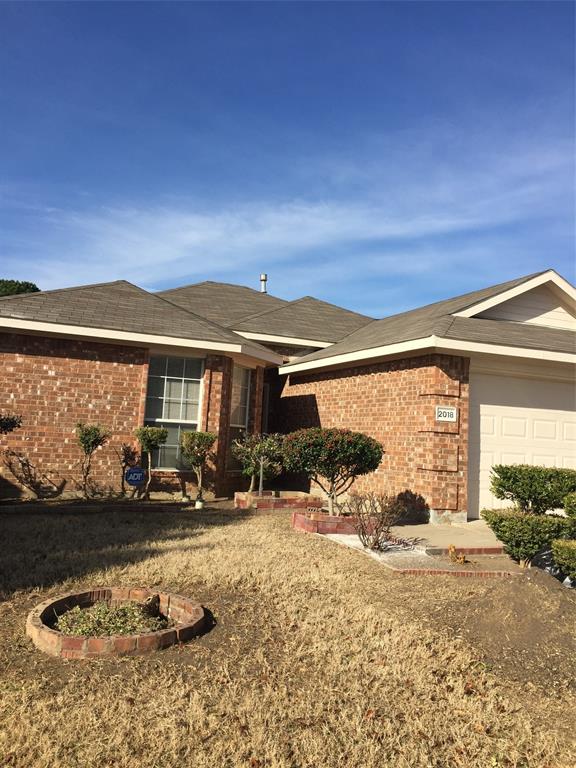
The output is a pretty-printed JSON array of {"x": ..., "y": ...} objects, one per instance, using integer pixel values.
[{"x": 135, "y": 475}]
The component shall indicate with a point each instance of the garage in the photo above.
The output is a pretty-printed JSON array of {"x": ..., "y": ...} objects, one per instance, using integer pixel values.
[{"x": 517, "y": 420}]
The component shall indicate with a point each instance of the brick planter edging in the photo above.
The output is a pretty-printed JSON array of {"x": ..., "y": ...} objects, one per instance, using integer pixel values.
[
  {"x": 322, "y": 524},
  {"x": 189, "y": 617},
  {"x": 277, "y": 500}
]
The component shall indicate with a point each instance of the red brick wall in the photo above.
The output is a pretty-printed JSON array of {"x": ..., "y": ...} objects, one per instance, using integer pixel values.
[
  {"x": 54, "y": 384},
  {"x": 394, "y": 402}
]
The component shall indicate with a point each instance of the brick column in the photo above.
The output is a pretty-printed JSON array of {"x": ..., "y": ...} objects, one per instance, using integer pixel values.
[
  {"x": 442, "y": 449},
  {"x": 215, "y": 415}
]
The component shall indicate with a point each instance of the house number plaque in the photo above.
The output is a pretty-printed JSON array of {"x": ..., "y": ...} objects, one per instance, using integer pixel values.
[{"x": 446, "y": 413}]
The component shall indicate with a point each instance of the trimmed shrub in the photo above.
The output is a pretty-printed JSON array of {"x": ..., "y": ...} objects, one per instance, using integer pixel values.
[
  {"x": 259, "y": 451},
  {"x": 570, "y": 505},
  {"x": 332, "y": 458},
  {"x": 532, "y": 489},
  {"x": 564, "y": 553},
  {"x": 524, "y": 535},
  {"x": 91, "y": 437},
  {"x": 150, "y": 439},
  {"x": 196, "y": 449}
]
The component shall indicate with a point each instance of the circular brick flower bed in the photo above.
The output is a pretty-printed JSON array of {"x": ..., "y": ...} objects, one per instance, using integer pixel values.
[{"x": 189, "y": 618}]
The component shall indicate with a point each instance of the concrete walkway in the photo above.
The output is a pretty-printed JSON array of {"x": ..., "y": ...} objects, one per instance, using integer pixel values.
[{"x": 473, "y": 537}]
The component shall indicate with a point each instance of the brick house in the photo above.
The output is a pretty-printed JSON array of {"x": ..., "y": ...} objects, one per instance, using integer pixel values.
[{"x": 449, "y": 389}]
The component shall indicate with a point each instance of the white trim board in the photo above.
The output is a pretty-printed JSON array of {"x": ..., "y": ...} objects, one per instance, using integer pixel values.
[
  {"x": 558, "y": 282},
  {"x": 427, "y": 344},
  {"x": 144, "y": 339}
]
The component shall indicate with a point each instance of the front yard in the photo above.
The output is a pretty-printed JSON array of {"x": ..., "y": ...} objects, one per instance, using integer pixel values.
[{"x": 318, "y": 657}]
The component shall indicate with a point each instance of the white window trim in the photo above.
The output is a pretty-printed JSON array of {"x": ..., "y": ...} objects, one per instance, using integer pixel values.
[{"x": 175, "y": 421}]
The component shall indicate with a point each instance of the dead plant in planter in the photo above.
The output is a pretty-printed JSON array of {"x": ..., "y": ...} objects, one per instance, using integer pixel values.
[{"x": 373, "y": 514}]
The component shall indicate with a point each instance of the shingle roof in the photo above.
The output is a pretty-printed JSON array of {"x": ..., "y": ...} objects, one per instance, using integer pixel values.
[
  {"x": 221, "y": 303},
  {"x": 438, "y": 320},
  {"x": 305, "y": 318},
  {"x": 118, "y": 306}
]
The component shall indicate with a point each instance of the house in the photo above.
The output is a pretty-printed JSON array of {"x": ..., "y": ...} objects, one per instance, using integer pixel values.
[{"x": 449, "y": 389}]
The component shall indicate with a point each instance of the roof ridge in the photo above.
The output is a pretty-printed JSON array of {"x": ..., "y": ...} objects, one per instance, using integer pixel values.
[
  {"x": 270, "y": 310},
  {"x": 517, "y": 281},
  {"x": 218, "y": 282},
  {"x": 289, "y": 304},
  {"x": 68, "y": 288},
  {"x": 205, "y": 320}
]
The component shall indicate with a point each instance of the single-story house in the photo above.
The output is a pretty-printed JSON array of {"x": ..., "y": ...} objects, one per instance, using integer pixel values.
[{"x": 449, "y": 389}]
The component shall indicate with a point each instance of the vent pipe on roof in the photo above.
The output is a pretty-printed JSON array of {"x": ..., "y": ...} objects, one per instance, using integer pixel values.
[{"x": 263, "y": 281}]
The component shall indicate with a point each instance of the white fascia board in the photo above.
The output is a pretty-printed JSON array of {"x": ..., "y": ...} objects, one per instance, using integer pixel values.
[
  {"x": 547, "y": 277},
  {"x": 144, "y": 339},
  {"x": 471, "y": 347},
  {"x": 435, "y": 343},
  {"x": 290, "y": 340},
  {"x": 363, "y": 355}
]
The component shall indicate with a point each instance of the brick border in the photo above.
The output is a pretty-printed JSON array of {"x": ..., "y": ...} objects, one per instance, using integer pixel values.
[
  {"x": 190, "y": 620},
  {"x": 277, "y": 500},
  {"x": 316, "y": 522}
]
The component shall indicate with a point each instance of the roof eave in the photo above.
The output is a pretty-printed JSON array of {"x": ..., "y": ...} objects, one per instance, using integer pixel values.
[
  {"x": 143, "y": 339},
  {"x": 422, "y": 345}
]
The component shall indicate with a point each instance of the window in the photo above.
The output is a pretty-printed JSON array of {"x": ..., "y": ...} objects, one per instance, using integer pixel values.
[
  {"x": 173, "y": 401},
  {"x": 239, "y": 408}
]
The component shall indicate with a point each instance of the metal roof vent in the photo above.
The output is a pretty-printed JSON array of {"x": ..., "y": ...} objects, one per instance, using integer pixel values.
[{"x": 263, "y": 281}]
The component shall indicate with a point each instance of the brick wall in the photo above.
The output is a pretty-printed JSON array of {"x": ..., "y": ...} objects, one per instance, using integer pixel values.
[
  {"x": 394, "y": 402},
  {"x": 54, "y": 384}
]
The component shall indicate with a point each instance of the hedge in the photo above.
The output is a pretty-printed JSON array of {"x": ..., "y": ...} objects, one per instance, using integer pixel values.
[
  {"x": 533, "y": 489},
  {"x": 564, "y": 553},
  {"x": 524, "y": 535},
  {"x": 570, "y": 505}
]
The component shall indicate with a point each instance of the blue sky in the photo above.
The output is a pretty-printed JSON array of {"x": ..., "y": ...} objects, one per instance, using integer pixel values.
[{"x": 377, "y": 155}]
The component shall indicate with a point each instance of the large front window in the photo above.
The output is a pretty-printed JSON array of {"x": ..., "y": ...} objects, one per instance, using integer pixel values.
[
  {"x": 173, "y": 401},
  {"x": 239, "y": 408}
]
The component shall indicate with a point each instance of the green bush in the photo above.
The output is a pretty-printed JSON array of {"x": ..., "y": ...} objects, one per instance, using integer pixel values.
[
  {"x": 570, "y": 505},
  {"x": 150, "y": 439},
  {"x": 196, "y": 449},
  {"x": 564, "y": 553},
  {"x": 532, "y": 489},
  {"x": 255, "y": 451},
  {"x": 90, "y": 437},
  {"x": 524, "y": 535},
  {"x": 333, "y": 458}
]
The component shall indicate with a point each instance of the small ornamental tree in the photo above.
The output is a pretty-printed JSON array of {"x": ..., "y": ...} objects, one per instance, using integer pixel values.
[
  {"x": 91, "y": 437},
  {"x": 196, "y": 448},
  {"x": 150, "y": 439},
  {"x": 9, "y": 422},
  {"x": 332, "y": 458},
  {"x": 259, "y": 452},
  {"x": 533, "y": 489},
  {"x": 14, "y": 287}
]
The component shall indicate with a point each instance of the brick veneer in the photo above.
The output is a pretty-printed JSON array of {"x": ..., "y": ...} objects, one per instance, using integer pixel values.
[
  {"x": 395, "y": 403},
  {"x": 55, "y": 383}
]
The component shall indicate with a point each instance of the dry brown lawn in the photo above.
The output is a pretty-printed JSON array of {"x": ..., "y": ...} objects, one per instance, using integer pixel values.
[{"x": 319, "y": 658}]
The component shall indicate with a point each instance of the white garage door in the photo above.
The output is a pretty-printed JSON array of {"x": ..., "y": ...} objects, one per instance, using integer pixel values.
[{"x": 515, "y": 420}]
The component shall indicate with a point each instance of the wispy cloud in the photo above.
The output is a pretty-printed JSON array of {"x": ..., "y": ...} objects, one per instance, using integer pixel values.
[{"x": 403, "y": 208}]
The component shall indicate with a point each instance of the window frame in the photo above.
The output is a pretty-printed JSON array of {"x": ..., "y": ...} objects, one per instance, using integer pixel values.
[{"x": 150, "y": 421}]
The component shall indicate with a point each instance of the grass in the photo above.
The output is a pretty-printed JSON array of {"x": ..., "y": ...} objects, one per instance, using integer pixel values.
[{"x": 319, "y": 658}]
